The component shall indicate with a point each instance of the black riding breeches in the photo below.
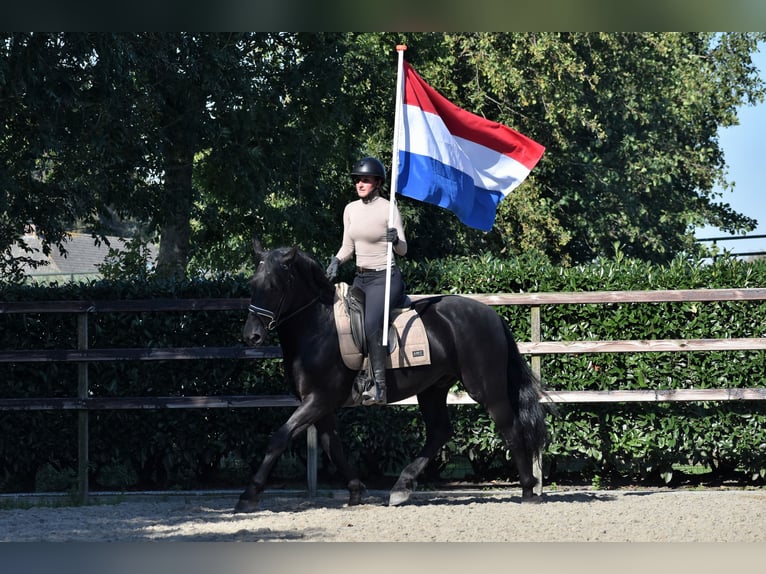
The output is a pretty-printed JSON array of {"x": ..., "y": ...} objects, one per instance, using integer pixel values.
[{"x": 373, "y": 283}]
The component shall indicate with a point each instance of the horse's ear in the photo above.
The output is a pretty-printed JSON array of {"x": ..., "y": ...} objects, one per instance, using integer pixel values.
[
  {"x": 260, "y": 252},
  {"x": 291, "y": 254}
]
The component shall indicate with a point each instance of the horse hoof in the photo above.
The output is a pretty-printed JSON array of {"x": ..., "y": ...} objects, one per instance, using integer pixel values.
[
  {"x": 533, "y": 499},
  {"x": 398, "y": 497},
  {"x": 245, "y": 505},
  {"x": 356, "y": 490}
]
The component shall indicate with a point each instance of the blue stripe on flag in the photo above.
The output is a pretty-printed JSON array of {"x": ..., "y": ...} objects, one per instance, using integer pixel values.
[{"x": 427, "y": 179}]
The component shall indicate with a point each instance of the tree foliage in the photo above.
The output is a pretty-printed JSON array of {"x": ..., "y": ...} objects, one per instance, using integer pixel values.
[
  {"x": 630, "y": 122},
  {"x": 206, "y": 139}
]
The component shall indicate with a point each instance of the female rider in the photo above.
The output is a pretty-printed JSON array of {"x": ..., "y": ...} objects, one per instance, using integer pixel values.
[{"x": 366, "y": 233}]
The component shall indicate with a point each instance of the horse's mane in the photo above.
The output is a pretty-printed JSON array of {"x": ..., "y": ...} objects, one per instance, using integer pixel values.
[
  {"x": 302, "y": 265},
  {"x": 314, "y": 274}
]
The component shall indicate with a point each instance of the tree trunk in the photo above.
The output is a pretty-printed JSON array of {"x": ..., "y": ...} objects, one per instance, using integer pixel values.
[{"x": 175, "y": 229}]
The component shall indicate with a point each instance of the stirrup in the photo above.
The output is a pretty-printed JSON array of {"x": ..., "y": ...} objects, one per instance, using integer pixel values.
[
  {"x": 375, "y": 395},
  {"x": 363, "y": 381},
  {"x": 362, "y": 384}
]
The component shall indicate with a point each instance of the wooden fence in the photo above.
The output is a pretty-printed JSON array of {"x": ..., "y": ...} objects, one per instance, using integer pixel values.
[{"x": 535, "y": 348}]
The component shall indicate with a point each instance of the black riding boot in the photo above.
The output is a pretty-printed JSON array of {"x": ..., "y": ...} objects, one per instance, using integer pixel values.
[{"x": 377, "y": 356}]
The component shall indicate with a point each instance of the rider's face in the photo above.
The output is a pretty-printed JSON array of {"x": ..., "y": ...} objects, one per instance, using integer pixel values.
[{"x": 365, "y": 185}]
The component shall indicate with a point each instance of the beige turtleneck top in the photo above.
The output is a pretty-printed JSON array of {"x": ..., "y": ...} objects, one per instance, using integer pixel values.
[{"x": 364, "y": 233}]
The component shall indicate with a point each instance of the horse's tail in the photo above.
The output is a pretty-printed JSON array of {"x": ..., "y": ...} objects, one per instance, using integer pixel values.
[{"x": 525, "y": 385}]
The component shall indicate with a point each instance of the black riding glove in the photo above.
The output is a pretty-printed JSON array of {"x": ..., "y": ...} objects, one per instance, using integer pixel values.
[
  {"x": 332, "y": 269},
  {"x": 392, "y": 236}
]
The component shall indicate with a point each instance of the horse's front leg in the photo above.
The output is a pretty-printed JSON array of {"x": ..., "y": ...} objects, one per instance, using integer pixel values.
[{"x": 303, "y": 417}]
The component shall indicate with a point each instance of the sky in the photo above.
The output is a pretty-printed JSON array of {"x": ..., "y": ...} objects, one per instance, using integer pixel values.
[{"x": 743, "y": 146}]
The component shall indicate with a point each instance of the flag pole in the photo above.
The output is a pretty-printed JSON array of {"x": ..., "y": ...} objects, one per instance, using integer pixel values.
[{"x": 400, "y": 48}]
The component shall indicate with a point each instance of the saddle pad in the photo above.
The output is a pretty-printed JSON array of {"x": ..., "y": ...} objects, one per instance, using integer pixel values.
[{"x": 409, "y": 349}]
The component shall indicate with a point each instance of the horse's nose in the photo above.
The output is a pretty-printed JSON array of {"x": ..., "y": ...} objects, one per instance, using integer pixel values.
[
  {"x": 251, "y": 334},
  {"x": 253, "y": 341}
]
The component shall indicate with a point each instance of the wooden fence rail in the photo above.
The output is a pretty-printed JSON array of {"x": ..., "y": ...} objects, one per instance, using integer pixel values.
[{"x": 535, "y": 348}]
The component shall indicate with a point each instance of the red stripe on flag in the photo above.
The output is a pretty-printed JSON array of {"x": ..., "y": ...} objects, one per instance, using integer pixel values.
[{"x": 469, "y": 126}]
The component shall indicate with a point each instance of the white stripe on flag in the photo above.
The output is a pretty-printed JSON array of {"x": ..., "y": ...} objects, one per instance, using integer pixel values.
[{"x": 425, "y": 134}]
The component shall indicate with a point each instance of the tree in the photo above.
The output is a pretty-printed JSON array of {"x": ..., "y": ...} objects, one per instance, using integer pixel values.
[
  {"x": 305, "y": 143},
  {"x": 196, "y": 101},
  {"x": 630, "y": 122},
  {"x": 119, "y": 121},
  {"x": 206, "y": 139},
  {"x": 35, "y": 94}
]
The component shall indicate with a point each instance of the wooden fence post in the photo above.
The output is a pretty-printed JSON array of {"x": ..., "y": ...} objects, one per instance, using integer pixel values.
[
  {"x": 536, "y": 337},
  {"x": 312, "y": 454},
  {"x": 82, "y": 415}
]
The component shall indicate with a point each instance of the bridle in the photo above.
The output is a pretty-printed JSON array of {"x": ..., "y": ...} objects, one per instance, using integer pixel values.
[
  {"x": 274, "y": 317},
  {"x": 275, "y": 320},
  {"x": 261, "y": 312}
]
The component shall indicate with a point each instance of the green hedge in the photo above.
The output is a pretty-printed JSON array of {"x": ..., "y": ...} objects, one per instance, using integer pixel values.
[
  {"x": 216, "y": 447},
  {"x": 638, "y": 440}
]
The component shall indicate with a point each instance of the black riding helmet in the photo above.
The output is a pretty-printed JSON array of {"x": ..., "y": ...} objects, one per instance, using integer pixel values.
[{"x": 369, "y": 166}]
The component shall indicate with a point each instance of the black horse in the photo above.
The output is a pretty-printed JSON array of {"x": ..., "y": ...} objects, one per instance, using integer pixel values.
[{"x": 469, "y": 342}]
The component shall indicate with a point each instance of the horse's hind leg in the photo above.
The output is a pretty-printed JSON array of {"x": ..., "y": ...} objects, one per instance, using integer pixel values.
[
  {"x": 509, "y": 427},
  {"x": 331, "y": 444},
  {"x": 433, "y": 406}
]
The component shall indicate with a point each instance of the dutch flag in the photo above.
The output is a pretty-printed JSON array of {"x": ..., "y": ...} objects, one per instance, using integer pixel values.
[{"x": 455, "y": 159}]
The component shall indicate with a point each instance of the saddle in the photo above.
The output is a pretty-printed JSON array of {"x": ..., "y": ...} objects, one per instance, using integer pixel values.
[{"x": 407, "y": 337}]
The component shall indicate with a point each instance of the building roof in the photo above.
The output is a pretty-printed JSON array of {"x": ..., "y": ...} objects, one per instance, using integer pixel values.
[{"x": 82, "y": 257}]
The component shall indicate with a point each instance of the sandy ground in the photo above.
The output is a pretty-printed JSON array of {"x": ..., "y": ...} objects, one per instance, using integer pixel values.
[{"x": 471, "y": 516}]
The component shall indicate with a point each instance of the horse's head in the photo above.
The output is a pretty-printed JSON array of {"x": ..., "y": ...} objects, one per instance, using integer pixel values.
[{"x": 286, "y": 282}]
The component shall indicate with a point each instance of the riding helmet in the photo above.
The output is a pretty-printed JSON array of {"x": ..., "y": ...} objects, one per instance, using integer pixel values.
[{"x": 370, "y": 166}]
